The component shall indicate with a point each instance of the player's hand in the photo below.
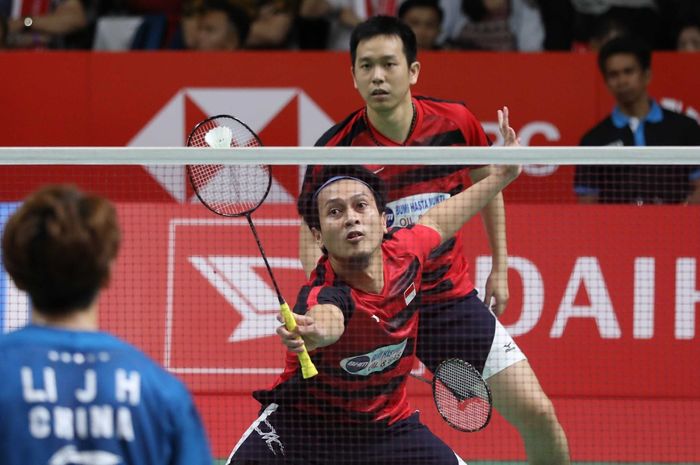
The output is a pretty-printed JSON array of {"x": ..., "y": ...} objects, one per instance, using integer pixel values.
[
  {"x": 303, "y": 335},
  {"x": 510, "y": 138},
  {"x": 496, "y": 293}
]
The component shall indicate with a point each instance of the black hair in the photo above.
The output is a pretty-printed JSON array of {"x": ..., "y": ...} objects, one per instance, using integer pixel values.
[
  {"x": 410, "y": 4},
  {"x": 625, "y": 45},
  {"x": 475, "y": 10},
  {"x": 385, "y": 26},
  {"x": 237, "y": 16},
  {"x": 317, "y": 176}
]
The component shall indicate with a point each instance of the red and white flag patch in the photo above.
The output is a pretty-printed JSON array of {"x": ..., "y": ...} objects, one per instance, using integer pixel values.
[{"x": 410, "y": 293}]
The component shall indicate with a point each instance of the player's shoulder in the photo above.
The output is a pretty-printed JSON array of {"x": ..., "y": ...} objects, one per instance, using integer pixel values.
[
  {"x": 342, "y": 133},
  {"x": 406, "y": 239},
  {"x": 443, "y": 107}
]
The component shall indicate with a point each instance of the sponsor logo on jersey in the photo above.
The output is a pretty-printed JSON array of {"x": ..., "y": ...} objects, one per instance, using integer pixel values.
[
  {"x": 406, "y": 211},
  {"x": 377, "y": 360}
]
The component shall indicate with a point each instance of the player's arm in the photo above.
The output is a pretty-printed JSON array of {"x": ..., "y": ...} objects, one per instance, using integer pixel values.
[
  {"x": 494, "y": 218},
  {"x": 309, "y": 252},
  {"x": 449, "y": 216},
  {"x": 322, "y": 326}
]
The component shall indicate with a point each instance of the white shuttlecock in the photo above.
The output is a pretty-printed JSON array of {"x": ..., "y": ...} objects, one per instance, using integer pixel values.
[{"x": 219, "y": 137}]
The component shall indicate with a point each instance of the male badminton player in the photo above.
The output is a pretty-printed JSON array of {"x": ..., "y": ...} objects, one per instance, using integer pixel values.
[
  {"x": 358, "y": 318},
  {"x": 71, "y": 394}
]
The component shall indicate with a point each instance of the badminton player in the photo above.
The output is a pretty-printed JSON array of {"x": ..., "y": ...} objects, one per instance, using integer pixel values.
[
  {"x": 358, "y": 318},
  {"x": 71, "y": 394}
]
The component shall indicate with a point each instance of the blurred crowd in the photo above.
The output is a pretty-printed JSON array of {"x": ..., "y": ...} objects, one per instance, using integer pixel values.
[{"x": 493, "y": 25}]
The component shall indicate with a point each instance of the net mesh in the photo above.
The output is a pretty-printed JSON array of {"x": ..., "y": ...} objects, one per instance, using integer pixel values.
[{"x": 603, "y": 302}]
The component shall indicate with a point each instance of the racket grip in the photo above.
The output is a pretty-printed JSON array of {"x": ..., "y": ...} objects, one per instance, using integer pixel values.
[{"x": 308, "y": 369}]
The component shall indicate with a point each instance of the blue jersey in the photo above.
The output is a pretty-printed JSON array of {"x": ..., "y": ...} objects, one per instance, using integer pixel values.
[{"x": 78, "y": 398}]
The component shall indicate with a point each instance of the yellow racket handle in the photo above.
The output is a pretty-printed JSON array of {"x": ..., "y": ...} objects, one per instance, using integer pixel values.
[{"x": 308, "y": 370}]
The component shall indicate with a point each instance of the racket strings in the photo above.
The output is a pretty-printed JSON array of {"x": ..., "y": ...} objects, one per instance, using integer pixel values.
[
  {"x": 229, "y": 190},
  {"x": 461, "y": 396}
]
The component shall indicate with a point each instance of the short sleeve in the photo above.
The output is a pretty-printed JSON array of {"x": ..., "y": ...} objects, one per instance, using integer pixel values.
[
  {"x": 420, "y": 240},
  {"x": 190, "y": 443},
  {"x": 338, "y": 296}
]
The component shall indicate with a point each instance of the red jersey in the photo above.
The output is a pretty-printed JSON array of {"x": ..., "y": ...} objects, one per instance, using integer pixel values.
[
  {"x": 362, "y": 376},
  {"x": 413, "y": 189}
]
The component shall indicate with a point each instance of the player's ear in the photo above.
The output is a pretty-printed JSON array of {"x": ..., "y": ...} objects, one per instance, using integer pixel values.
[
  {"x": 317, "y": 237},
  {"x": 384, "y": 228},
  {"x": 413, "y": 72},
  {"x": 352, "y": 72}
]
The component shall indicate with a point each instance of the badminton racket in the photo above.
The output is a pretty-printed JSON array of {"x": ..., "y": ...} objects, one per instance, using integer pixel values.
[
  {"x": 237, "y": 190},
  {"x": 461, "y": 395}
]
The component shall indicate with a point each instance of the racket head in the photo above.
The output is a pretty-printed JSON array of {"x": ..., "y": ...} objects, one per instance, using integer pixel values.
[
  {"x": 228, "y": 190},
  {"x": 462, "y": 396}
]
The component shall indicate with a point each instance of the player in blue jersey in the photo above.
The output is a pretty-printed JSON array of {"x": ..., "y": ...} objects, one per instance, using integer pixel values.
[{"x": 71, "y": 394}]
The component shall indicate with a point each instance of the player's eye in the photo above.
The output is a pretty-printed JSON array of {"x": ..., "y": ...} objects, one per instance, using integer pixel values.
[{"x": 334, "y": 212}]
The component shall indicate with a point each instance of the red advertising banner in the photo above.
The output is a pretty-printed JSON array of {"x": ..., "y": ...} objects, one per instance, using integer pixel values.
[
  {"x": 594, "y": 290},
  {"x": 290, "y": 98}
]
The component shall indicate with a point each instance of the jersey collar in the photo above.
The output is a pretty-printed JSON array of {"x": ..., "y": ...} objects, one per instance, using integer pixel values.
[{"x": 380, "y": 139}]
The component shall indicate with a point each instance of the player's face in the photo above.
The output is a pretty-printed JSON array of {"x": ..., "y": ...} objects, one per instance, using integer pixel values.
[
  {"x": 351, "y": 226},
  {"x": 626, "y": 79},
  {"x": 381, "y": 73},
  {"x": 425, "y": 23}
]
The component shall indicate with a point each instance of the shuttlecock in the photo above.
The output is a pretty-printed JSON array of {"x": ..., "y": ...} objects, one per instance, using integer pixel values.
[{"x": 219, "y": 137}]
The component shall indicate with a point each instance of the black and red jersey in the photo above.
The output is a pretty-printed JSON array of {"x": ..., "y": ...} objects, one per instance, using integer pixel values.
[
  {"x": 413, "y": 189},
  {"x": 362, "y": 377}
]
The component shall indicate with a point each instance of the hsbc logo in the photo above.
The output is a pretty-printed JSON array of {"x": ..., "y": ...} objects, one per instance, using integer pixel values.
[
  {"x": 281, "y": 116},
  {"x": 220, "y": 302}
]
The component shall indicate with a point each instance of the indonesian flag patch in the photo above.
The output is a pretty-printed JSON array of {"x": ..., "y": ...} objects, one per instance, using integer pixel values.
[{"x": 409, "y": 294}]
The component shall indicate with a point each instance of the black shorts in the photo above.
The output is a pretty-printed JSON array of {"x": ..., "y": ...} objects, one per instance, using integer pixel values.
[
  {"x": 458, "y": 328},
  {"x": 288, "y": 437}
]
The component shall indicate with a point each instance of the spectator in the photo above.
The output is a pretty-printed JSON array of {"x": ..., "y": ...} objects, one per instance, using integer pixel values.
[
  {"x": 71, "y": 394},
  {"x": 313, "y": 26},
  {"x": 344, "y": 15},
  {"x": 54, "y": 24},
  {"x": 222, "y": 26},
  {"x": 688, "y": 37},
  {"x": 500, "y": 25},
  {"x": 272, "y": 23},
  {"x": 637, "y": 120},
  {"x": 185, "y": 35},
  {"x": 425, "y": 18},
  {"x": 604, "y": 30},
  {"x": 640, "y": 17},
  {"x": 558, "y": 19}
]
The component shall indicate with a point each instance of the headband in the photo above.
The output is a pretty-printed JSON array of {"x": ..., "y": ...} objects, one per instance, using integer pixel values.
[{"x": 338, "y": 178}]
